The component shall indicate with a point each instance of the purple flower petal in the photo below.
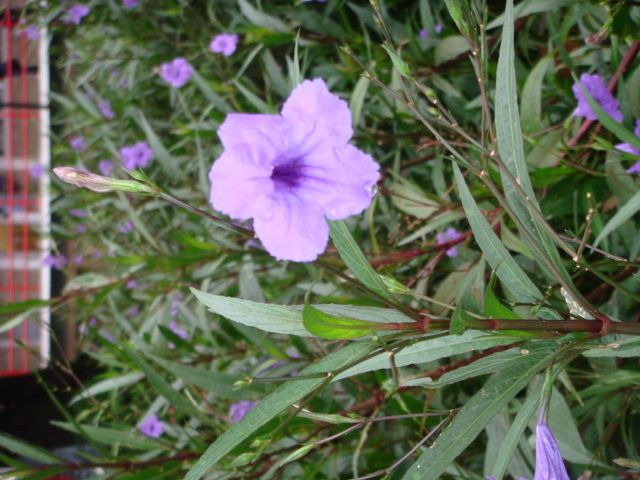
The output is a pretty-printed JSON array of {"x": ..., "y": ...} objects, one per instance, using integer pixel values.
[
  {"x": 596, "y": 87},
  {"x": 240, "y": 409},
  {"x": 105, "y": 108},
  {"x": 177, "y": 72},
  {"x": 289, "y": 172},
  {"x": 129, "y": 3},
  {"x": 105, "y": 166},
  {"x": 152, "y": 427},
  {"x": 37, "y": 170},
  {"x": 635, "y": 168},
  {"x": 423, "y": 33},
  {"x": 77, "y": 212},
  {"x": 78, "y": 144},
  {"x": 225, "y": 43},
  {"x": 136, "y": 155},
  {"x": 549, "y": 463},
  {"x": 75, "y": 14}
]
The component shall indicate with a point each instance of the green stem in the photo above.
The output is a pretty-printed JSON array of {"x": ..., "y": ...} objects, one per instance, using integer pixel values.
[{"x": 218, "y": 221}]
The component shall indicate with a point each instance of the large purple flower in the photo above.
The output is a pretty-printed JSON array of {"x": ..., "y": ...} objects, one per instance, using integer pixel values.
[
  {"x": 598, "y": 90},
  {"x": 224, "y": 43},
  {"x": 177, "y": 72},
  {"x": 288, "y": 172},
  {"x": 136, "y": 155}
]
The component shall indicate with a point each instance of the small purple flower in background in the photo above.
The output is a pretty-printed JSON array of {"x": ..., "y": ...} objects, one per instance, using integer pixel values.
[
  {"x": 240, "y": 409},
  {"x": 423, "y": 33},
  {"x": 78, "y": 144},
  {"x": 178, "y": 331},
  {"x": 74, "y": 14},
  {"x": 448, "y": 235},
  {"x": 56, "y": 262},
  {"x": 134, "y": 312},
  {"x": 78, "y": 259},
  {"x": 77, "y": 212},
  {"x": 81, "y": 228},
  {"x": 152, "y": 426},
  {"x": 136, "y": 155},
  {"x": 37, "y": 170},
  {"x": 288, "y": 172},
  {"x": 105, "y": 166},
  {"x": 105, "y": 108},
  {"x": 32, "y": 32},
  {"x": 174, "y": 304},
  {"x": 129, "y": 3},
  {"x": 177, "y": 72},
  {"x": 224, "y": 43},
  {"x": 107, "y": 336},
  {"x": 438, "y": 28},
  {"x": 595, "y": 86},
  {"x": 132, "y": 284},
  {"x": 127, "y": 227}
]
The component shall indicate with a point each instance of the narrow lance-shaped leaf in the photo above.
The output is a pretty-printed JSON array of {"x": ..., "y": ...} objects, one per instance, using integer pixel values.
[{"x": 337, "y": 328}]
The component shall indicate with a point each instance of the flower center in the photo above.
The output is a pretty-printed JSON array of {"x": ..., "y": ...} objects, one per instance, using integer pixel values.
[{"x": 289, "y": 174}]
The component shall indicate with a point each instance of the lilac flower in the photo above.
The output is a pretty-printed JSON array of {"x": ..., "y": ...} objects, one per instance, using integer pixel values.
[
  {"x": 81, "y": 228},
  {"x": 135, "y": 311},
  {"x": 595, "y": 86},
  {"x": 78, "y": 259},
  {"x": 77, "y": 212},
  {"x": 52, "y": 261},
  {"x": 93, "y": 322},
  {"x": 127, "y": 227},
  {"x": 174, "y": 304},
  {"x": 136, "y": 155},
  {"x": 152, "y": 426},
  {"x": 224, "y": 43},
  {"x": 438, "y": 28},
  {"x": 240, "y": 409},
  {"x": 448, "y": 235},
  {"x": 288, "y": 172},
  {"x": 179, "y": 332},
  {"x": 107, "y": 336},
  {"x": 78, "y": 144},
  {"x": 132, "y": 284},
  {"x": 105, "y": 108},
  {"x": 635, "y": 168},
  {"x": 129, "y": 3},
  {"x": 74, "y": 14},
  {"x": 625, "y": 147},
  {"x": 37, "y": 170},
  {"x": 105, "y": 166},
  {"x": 177, "y": 73},
  {"x": 32, "y": 32},
  {"x": 423, "y": 33}
]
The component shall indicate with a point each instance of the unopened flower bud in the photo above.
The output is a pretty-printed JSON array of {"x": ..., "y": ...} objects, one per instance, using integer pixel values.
[{"x": 98, "y": 183}]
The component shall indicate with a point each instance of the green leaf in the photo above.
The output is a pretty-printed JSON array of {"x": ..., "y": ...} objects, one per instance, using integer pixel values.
[
  {"x": 217, "y": 383},
  {"x": 328, "y": 326},
  {"x": 411, "y": 200},
  {"x": 261, "y": 19},
  {"x": 356, "y": 102},
  {"x": 288, "y": 320},
  {"x": 493, "y": 363},
  {"x": 24, "y": 449},
  {"x": 531, "y": 106},
  {"x": 400, "y": 65},
  {"x": 508, "y": 271},
  {"x": 113, "y": 437},
  {"x": 450, "y": 47},
  {"x": 276, "y": 403},
  {"x": 627, "y": 211},
  {"x": 429, "y": 350},
  {"x": 355, "y": 259},
  {"x": 20, "y": 306},
  {"x": 511, "y": 152},
  {"x": 107, "y": 385},
  {"x": 492, "y": 306},
  {"x": 164, "y": 388},
  {"x": 476, "y": 414}
]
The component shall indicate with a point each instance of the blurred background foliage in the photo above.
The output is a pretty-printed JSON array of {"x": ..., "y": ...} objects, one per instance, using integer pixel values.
[{"x": 133, "y": 259}]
